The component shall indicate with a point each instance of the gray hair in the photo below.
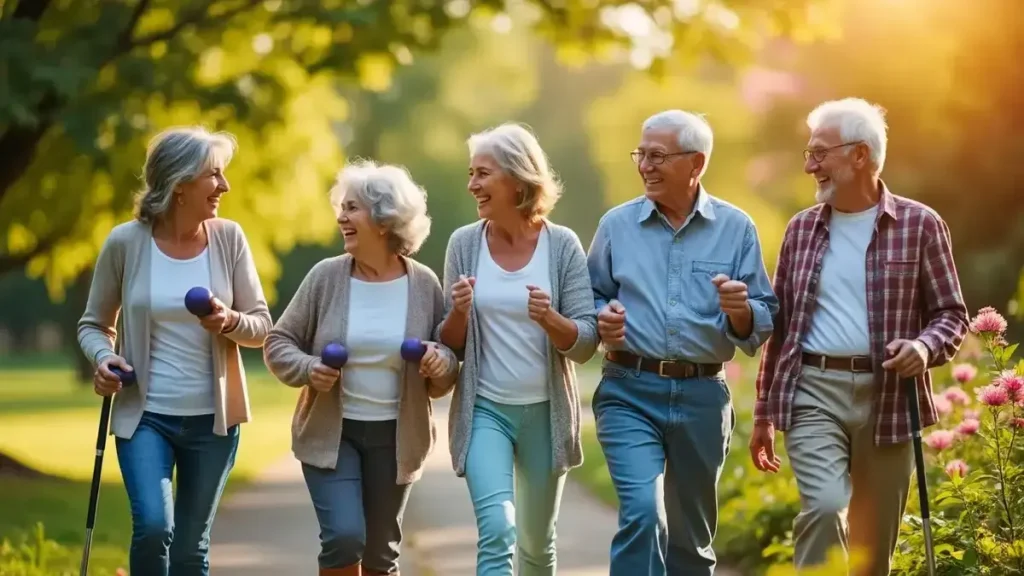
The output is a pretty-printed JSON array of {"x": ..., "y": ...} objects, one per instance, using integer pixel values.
[
  {"x": 518, "y": 153},
  {"x": 174, "y": 157},
  {"x": 693, "y": 132},
  {"x": 395, "y": 202},
  {"x": 857, "y": 121}
]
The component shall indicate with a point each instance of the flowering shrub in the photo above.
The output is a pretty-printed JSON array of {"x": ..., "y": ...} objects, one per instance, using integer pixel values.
[{"x": 975, "y": 482}]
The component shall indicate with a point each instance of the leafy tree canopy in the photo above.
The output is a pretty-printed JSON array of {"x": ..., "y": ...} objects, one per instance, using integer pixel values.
[{"x": 85, "y": 84}]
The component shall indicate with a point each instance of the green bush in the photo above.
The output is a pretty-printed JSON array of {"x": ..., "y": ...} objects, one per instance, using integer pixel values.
[{"x": 35, "y": 555}]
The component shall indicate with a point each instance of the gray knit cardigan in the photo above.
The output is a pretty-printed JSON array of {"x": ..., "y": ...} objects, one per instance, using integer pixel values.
[{"x": 571, "y": 296}]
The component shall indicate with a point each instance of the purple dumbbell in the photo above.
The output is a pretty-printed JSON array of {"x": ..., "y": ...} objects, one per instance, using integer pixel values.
[
  {"x": 334, "y": 355},
  {"x": 413, "y": 349},
  {"x": 197, "y": 301},
  {"x": 127, "y": 377}
]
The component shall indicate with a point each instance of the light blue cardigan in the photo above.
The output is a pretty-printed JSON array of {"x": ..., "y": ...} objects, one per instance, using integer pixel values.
[{"x": 571, "y": 296}]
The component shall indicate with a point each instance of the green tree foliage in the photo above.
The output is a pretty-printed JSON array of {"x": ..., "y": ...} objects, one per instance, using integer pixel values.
[{"x": 85, "y": 85}]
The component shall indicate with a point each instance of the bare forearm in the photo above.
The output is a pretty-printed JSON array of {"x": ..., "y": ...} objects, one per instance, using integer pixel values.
[
  {"x": 562, "y": 331},
  {"x": 453, "y": 330}
]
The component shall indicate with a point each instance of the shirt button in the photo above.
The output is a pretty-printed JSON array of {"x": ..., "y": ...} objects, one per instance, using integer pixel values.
[
  {"x": 672, "y": 331},
  {"x": 671, "y": 302}
]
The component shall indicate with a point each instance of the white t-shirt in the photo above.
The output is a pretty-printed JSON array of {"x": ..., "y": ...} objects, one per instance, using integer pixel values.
[
  {"x": 514, "y": 357},
  {"x": 180, "y": 349},
  {"x": 372, "y": 378},
  {"x": 839, "y": 324}
]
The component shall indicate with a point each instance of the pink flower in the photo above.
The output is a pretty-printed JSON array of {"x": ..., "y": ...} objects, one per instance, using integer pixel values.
[
  {"x": 972, "y": 415},
  {"x": 956, "y": 395},
  {"x": 1018, "y": 422},
  {"x": 957, "y": 468},
  {"x": 942, "y": 404},
  {"x": 1012, "y": 383},
  {"x": 993, "y": 395},
  {"x": 988, "y": 320},
  {"x": 964, "y": 373},
  {"x": 968, "y": 427},
  {"x": 940, "y": 439}
]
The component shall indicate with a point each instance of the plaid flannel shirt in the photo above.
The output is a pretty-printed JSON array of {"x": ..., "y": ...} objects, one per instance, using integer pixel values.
[{"x": 912, "y": 292}]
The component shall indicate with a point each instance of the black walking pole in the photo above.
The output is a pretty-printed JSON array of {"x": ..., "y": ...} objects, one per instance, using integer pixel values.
[
  {"x": 127, "y": 379},
  {"x": 910, "y": 387}
]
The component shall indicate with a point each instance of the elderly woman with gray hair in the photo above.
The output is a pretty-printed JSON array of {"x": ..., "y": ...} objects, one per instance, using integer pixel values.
[
  {"x": 520, "y": 311},
  {"x": 363, "y": 432},
  {"x": 191, "y": 391}
]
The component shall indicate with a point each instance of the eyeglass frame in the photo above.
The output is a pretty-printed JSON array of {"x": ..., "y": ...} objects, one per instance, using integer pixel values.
[
  {"x": 663, "y": 156},
  {"x": 823, "y": 152}
]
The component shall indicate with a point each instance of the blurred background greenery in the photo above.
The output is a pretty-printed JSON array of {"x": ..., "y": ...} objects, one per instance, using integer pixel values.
[{"x": 305, "y": 85}]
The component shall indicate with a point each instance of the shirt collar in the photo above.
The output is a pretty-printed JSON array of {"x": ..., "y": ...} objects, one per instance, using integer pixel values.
[
  {"x": 703, "y": 206},
  {"x": 886, "y": 205}
]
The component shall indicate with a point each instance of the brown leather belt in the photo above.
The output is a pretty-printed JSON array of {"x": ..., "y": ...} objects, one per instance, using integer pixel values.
[
  {"x": 663, "y": 368},
  {"x": 846, "y": 364}
]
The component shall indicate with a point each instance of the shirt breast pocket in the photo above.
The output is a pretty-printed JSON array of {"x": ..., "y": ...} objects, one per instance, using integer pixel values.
[
  {"x": 699, "y": 293},
  {"x": 901, "y": 277}
]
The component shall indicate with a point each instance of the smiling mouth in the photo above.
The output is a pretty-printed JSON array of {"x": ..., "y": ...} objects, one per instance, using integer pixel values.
[
  {"x": 481, "y": 200},
  {"x": 348, "y": 232},
  {"x": 822, "y": 181},
  {"x": 652, "y": 181}
]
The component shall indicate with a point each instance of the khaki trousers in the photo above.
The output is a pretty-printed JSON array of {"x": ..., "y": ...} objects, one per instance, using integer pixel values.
[{"x": 852, "y": 493}]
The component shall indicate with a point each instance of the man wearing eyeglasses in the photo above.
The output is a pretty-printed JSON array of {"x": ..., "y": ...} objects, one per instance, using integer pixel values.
[
  {"x": 680, "y": 283},
  {"x": 869, "y": 295}
]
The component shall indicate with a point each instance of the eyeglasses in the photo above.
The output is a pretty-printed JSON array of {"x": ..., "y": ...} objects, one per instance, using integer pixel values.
[
  {"x": 655, "y": 158},
  {"x": 819, "y": 154}
]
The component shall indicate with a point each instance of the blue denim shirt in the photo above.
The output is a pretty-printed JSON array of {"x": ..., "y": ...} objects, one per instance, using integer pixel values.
[{"x": 663, "y": 278}]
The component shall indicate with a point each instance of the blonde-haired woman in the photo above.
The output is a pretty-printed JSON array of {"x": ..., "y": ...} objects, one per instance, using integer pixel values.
[
  {"x": 363, "y": 432},
  {"x": 191, "y": 392},
  {"x": 520, "y": 310}
]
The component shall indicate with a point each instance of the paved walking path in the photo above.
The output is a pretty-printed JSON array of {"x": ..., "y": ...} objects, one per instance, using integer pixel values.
[{"x": 269, "y": 528}]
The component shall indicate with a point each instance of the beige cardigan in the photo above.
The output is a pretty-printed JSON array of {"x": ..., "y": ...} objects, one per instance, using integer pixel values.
[
  {"x": 121, "y": 286},
  {"x": 317, "y": 315}
]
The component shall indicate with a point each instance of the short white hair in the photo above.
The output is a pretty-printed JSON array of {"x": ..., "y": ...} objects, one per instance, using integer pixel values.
[
  {"x": 858, "y": 121},
  {"x": 518, "y": 153},
  {"x": 395, "y": 202},
  {"x": 692, "y": 130},
  {"x": 176, "y": 156}
]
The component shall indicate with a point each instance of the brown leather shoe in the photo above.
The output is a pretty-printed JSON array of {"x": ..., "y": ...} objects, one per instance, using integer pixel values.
[
  {"x": 368, "y": 572},
  {"x": 353, "y": 570}
]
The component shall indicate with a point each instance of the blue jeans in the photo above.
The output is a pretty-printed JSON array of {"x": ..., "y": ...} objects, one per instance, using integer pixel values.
[
  {"x": 514, "y": 490},
  {"x": 668, "y": 514},
  {"x": 171, "y": 532},
  {"x": 358, "y": 503}
]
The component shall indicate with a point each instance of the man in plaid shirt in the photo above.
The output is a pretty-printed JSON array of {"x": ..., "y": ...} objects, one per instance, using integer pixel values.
[{"x": 868, "y": 295}]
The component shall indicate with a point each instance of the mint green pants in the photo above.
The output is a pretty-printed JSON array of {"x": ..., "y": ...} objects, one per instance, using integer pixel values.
[{"x": 515, "y": 493}]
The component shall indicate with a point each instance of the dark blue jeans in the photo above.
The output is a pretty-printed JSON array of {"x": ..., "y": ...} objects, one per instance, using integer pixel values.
[
  {"x": 358, "y": 503},
  {"x": 171, "y": 532},
  {"x": 665, "y": 441}
]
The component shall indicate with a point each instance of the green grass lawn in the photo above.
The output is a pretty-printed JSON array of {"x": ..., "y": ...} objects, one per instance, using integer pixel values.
[{"x": 49, "y": 422}]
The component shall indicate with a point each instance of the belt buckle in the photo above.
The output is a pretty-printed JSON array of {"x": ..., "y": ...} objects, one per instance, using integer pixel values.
[
  {"x": 824, "y": 360},
  {"x": 661, "y": 368}
]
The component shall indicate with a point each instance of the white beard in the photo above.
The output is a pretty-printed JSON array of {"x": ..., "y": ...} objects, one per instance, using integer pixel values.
[{"x": 824, "y": 193}]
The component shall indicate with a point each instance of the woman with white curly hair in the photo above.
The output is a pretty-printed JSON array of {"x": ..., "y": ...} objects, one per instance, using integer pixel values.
[{"x": 362, "y": 432}]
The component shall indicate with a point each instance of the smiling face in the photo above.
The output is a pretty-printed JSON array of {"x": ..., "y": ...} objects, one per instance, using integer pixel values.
[
  {"x": 358, "y": 229},
  {"x": 664, "y": 166},
  {"x": 831, "y": 162},
  {"x": 199, "y": 198},
  {"x": 496, "y": 193}
]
